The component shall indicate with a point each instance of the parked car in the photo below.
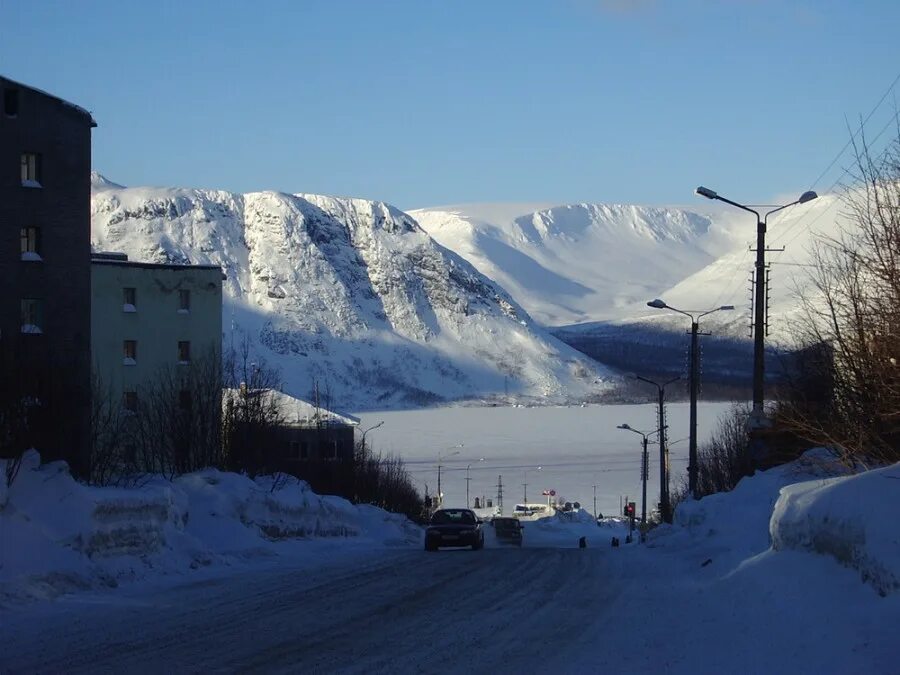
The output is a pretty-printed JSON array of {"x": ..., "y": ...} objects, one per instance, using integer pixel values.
[
  {"x": 454, "y": 527},
  {"x": 508, "y": 530}
]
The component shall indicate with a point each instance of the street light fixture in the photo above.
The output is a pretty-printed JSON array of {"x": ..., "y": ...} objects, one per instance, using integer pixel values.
[
  {"x": 371, "y": 428},
  {"x": 759, "y": 300},
  {"x": 645, "y": 465},
  {"x": 469, "y": 466},
  {"x": 440, "y": 495},
  {"x": 695, "y": 317}
]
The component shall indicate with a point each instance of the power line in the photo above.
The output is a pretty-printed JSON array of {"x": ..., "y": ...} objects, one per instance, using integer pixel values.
[{"x": 853, "y": 136}]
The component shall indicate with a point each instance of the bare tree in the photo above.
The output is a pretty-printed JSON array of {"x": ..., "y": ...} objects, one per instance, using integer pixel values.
[
  {"x": 854, "y": 312},
  {"x": 252, "y": 413}
]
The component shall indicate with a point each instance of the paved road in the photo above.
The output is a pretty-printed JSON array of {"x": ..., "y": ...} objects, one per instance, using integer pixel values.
[{"x": 495, "y": 610}]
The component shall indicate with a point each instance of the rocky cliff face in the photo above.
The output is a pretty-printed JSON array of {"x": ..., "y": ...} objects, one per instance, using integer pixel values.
[{"x": 347, "y": 292}]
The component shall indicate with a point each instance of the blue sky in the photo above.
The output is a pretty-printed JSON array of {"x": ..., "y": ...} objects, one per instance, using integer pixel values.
[{"x": 429, "y": 102}]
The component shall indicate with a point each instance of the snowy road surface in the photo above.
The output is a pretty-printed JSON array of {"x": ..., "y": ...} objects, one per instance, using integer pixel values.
[{"x": 500, "y": 610}]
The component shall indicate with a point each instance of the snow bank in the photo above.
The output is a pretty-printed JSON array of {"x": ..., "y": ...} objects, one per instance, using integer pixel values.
[
  {"x": 813, "y": 505},
  {"x": 852, "y": 519},
  {"x": 58, "y": 535},
  {"x": 736, "y": 524}
]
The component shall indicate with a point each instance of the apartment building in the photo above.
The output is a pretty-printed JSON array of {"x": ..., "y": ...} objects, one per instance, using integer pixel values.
[
  {"x": 45, "y": 277},
  {"x": 149, "y": 318}
]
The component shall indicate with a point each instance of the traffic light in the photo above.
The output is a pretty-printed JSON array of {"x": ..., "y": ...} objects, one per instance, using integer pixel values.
[{"x": 629, "y": 509}]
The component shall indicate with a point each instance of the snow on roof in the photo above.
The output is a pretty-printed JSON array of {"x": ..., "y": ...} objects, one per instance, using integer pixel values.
[{"x": 300, "y": 413}]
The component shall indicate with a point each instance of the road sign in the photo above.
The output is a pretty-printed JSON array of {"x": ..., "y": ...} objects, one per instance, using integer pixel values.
[{"x": 552, "y": 493}]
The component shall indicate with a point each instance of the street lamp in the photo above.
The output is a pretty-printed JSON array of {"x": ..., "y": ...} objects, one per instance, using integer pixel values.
[
  {"x": 695, "y": 317},
  {"x": 440, "y": 495},
  {"x": 664, "y": 505},
  {"x": 363, "y": 440},
  {"x": 469, "y": 466},
  {"x": 759, "y": 300},
  {"x": 645, "y": 465}
]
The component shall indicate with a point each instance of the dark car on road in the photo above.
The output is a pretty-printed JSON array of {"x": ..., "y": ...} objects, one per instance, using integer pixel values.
[
  {"x": 454, "y": 527},
  {"x": 508, "y": 530}
]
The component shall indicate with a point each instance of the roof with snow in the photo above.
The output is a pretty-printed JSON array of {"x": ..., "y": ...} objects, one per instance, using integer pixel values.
[{"x": 300, "y": 413}]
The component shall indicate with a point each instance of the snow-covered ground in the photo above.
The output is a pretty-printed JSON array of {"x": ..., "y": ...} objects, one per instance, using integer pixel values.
[{"x": 795, "y": 571}]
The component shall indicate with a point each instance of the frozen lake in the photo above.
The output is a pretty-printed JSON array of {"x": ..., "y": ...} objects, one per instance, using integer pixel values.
[{"x": 575, "y": 448}]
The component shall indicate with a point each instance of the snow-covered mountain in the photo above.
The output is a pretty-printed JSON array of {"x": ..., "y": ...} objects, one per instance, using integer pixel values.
[
  {"x": 348, "y": 292},
  {"x": 581, "y": 262},
  {"x": 586, "y": 263}
]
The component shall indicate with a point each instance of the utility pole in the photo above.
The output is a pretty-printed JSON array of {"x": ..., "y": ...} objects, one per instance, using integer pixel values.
[
  {"x": 695, "y": 317},
  {"x": 759, "y": 298},
  {"x": 664, "y": 501},
  {"x": 645, "y": 473},
  {"x": 525, "y": 493},
  {"x": 595, "y": 502},
  {"x": 440, "y": 495},
  {"x": 500, "y": 493},
  {"x": 695, "y": 378}
]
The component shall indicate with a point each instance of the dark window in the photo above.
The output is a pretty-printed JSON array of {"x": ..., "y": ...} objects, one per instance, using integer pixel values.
[
  {"x": 30, "y": 240},
  {"x": 333, "y": 449},
  {"x": 129, "y": 350},
  {"x": 31, "y": 169},
  {"x": 11, "y": 102},
  {"x": 184, "y": 352},
  {"x": 130, "y": 401},
  {"x": 184, "y": 400},
  {"x": 129, "y": 296},
  {"x": 32, "y": 315},
  {"x": 184, "y": 300}
]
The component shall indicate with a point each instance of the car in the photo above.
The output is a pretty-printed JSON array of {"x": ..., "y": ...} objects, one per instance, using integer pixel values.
[
  {"x": 454, "y": 527},
  {"x": 508, "y": 530}
]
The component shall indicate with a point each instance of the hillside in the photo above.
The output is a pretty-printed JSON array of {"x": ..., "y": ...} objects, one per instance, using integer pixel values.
[{"x": 347, "y": 292}]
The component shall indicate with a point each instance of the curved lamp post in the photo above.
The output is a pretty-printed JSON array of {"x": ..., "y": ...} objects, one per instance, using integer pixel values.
[
  {"x": 441, "y": 457},
  {"x": 469, "y": 466},
  {"x": 645, "y": 465},
  {"x": 695, "y": 317},
  {"x": 759, "y": 298}
]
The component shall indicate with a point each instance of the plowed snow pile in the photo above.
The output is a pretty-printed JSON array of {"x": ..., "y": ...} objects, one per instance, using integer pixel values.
[{"x": 58, "y": 535}]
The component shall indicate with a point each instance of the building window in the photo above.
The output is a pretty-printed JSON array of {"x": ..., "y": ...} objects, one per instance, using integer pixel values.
[
  {"x": 130, "y": 401},
  {"x": 30, "y": 243},
  {"x": 332, "y": 449},
  {"x": 11, "y": 102},
  {"x": 129, "y": 352},
  {"x": 31, "y": 169},
  {"x": 184, "y": 400},
  {"x": 32, "y": 316},
  {"x": 129, "y": 299},
  {"x": 184, "y": 352},
  {"x": 184, "y": 301}
]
